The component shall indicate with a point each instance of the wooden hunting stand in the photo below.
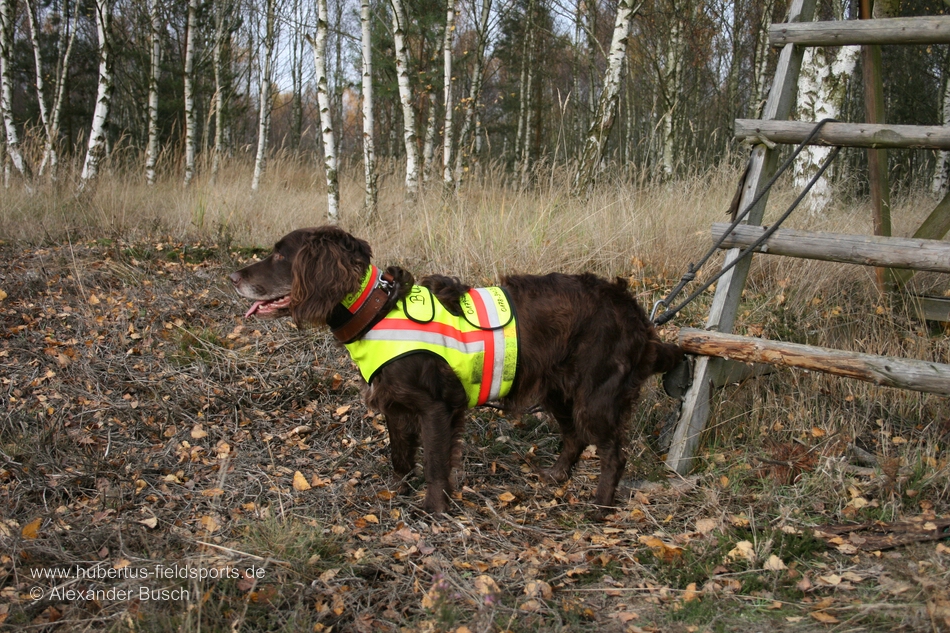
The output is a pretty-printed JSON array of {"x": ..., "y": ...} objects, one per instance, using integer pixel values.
[{"x": 925, "y": 251}]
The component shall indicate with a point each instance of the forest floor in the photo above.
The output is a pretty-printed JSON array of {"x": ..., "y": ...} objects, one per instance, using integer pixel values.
[{"x": 165, "y": 465}]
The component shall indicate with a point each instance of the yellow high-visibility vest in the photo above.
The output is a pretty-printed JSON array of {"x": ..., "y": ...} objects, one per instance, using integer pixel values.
[{"x": 481, "y": 346}]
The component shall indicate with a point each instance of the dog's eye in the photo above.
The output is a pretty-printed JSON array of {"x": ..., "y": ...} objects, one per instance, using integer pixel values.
[{"x": 278, "y": 257}]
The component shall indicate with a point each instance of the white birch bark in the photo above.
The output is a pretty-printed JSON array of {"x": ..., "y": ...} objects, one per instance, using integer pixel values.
[
  {"x": 447, "y": 132},
  {"x": 189, "y": 92},
  {"x": 40, "y": 84},
  {"x": 671, "y": 76},
  {"x": 371, "y": 194},
  {"x": 942, "y": 170},
  {"x": 97, "y": 146},
  {"x": 326, "y": 120},
  {"x": 609, "y": 102},
  {"x": 222, "y": 39},
  {"x": 762, "y": 48},
  {"x": 471, "y": 103},
  {"x": 65, "y": 39},
  {"x": 151, "y": 151},
  {"x": 822, "y": 86},
  {"x": 264, "y": 95},
  {"x": 405, "y": 98},
  {"x": 428, "y": 147},
  {"x": 15, "y": 154}
]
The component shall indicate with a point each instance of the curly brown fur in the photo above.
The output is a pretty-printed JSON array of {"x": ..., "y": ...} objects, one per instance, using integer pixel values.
[{"x": 585, "y": 348}]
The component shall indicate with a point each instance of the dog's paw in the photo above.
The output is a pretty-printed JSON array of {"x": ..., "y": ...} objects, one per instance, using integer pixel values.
[
  {"x": 554, "y": 475},
  {"x": 436, "y": 502}
]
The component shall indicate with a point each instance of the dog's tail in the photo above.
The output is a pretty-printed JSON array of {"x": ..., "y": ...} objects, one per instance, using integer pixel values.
[{"x": 666, "y": 356}]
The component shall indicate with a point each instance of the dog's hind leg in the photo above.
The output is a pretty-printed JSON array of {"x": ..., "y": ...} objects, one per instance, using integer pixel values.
[{"x": 571, "y": 444}]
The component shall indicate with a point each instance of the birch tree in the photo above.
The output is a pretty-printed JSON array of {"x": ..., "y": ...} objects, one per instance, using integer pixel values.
[
  {"x": 7, "y": 27},
  {"x": 822, "y": 88},
  {"x": 189, "y": 91},
  {"x": 263, "y": 127},
  {"x": 155, "y": 59},
  {"x": 371, "y": 194},
  {"x": 447, "y": 138},
  {"x": 326, "y": 120},
  {"x": 471, "y": 102},
  {"x": 405, "y": 98},
  {"x": 939, "y": 185},
  {"x": 428, "y": 146},
  {"x": 222, "y": 44},
  {"x": 609, "y": 102},
  {"x": 96, "y": 148},
  {"x": 39, "y": 83}
]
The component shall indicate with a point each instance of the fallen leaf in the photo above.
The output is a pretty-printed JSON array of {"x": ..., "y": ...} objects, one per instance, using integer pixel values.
[
  {"x": 300, "y": 482},
  {"x": 538, "y": 588},
  {"x": 743, "y": 549},
  {"x": 32, "y": 529},
  {"x": 774, "y": 563},
  {"x": 507, "y": 497},
  {"x": 197, "y": 432},
  {"x": 150, "y": 522},
  {"x": 486, "y": 585},
  {"x": 824, "y": 618},
  {"x": 705, "y": 526}
]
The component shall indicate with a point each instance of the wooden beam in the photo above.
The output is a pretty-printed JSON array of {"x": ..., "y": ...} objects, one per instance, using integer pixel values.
[
  {"x": 931, "y": 308},
  {"x": 867, "y": 250},
  {"x": 916, "y": 375},
  {"x": 935, "y": 227},
  {"x": 922, "y": 30},
  {"x": 695, "y": 408},
  {"x": 872, "y": 135},
  {"x": 874, "y": 113}
]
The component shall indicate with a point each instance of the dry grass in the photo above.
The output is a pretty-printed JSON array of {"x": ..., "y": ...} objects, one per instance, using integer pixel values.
[{"x": 145, "y": 424}]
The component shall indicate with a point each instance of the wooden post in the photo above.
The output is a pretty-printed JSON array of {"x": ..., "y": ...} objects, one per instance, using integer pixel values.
[
  {"x": 877, "y": 158},
  {"x": 695, "y": 409}
]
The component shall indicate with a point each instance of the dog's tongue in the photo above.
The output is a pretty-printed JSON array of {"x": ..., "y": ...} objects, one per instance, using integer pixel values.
[{"x": 257, "y": 304}]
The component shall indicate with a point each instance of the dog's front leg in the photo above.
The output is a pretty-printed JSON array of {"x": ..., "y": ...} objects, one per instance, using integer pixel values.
[
  {"x": 403, "y": 445},
  {"x": 440, "y": 445}
]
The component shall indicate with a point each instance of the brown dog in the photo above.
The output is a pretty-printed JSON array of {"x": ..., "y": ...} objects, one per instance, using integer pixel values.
[{"x": 584, "y": 347}]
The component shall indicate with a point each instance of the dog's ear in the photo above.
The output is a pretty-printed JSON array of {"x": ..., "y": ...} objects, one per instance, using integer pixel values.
[{"x": 329, "y": 266}]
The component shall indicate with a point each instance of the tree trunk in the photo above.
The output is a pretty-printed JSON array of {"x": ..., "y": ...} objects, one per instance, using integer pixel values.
[
  {"x": 40, "y": 84},
  {"x": 189, "y": 91},
  {"x": 822, "y": 88},
  {"x": 151, "y": 152},
  {"x": 671, "y": 75},
  {"x": 7, "y": 21},
  {"x": 222, "y": 43},
  {"x": 471, "y": 104},
  {"x": 447, "y": 137},
  {"x": 942, "y": 169},
  {"x": 405, "y": 98},
  {"x": 267, "y": 63},
  {"x": 761, "y": 62},
  {"x": 371, "y": 194},
  {"x": 326, "y": 120},
  {"x": 97, "y": 146},
  {"x": 296, "y": 78},
  {"x": 66, "y": 37},
  {"x": 428, "y": 148},
  {"x": 609, "y": 101}
]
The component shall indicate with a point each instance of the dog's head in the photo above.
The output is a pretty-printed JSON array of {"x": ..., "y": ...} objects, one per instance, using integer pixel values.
[{"x": 308, "y": 273}]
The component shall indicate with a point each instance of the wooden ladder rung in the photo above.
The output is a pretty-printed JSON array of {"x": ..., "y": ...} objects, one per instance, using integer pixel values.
[
  {"x": 888, "y": 371},
  {"x": 920, "y": 30},
  {"x": 873, "y": 135},
  {"x": 867, "y": 250}
]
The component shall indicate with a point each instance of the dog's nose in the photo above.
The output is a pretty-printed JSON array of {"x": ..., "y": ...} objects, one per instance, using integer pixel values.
[{"x": 235, "y": 278}]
